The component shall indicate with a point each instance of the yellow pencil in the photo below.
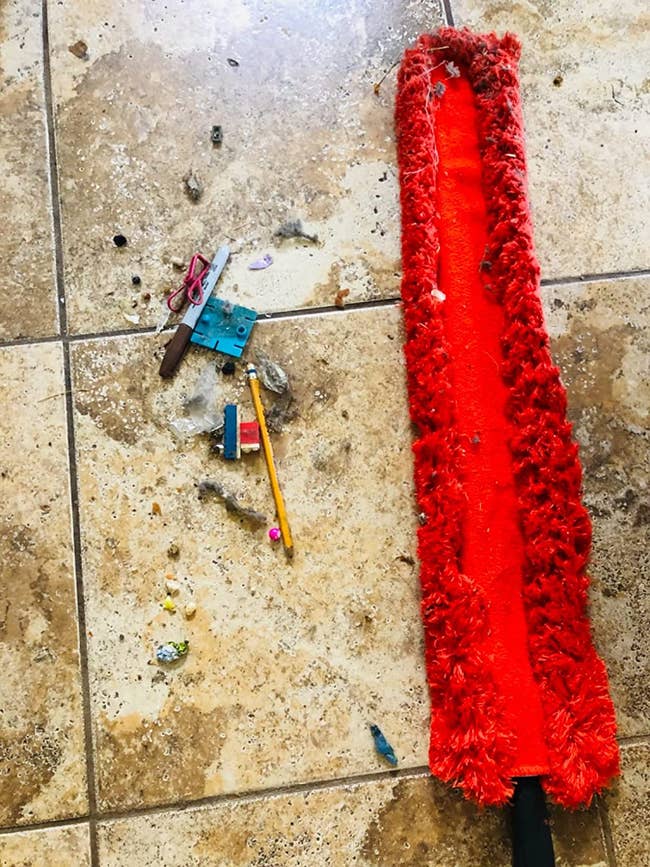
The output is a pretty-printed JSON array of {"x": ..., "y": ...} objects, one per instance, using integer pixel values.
[{"x": 254, "y": 383}]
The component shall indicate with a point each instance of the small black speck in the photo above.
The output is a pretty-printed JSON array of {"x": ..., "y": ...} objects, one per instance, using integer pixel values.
[
  {"x": 232, "y": 62},
  {"x": 228, "y": 368},
  {"x": 557, "y": 81},
  {"x": 136, "y": 280},
  {"x": 120, "y": 241},
  {"x": 121, "y": 637}
]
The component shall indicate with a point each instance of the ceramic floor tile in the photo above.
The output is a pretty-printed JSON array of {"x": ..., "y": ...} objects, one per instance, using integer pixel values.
[
  {"x": 629, "y": 808},
  {"x": 53, "y": 847},
  {"x": 26, "y": 239},
  {"x": 585, "y": 101},
  {"x": 304, "y": 136},
  {"x": 289, "y": 663},
  {"x": 413, "y": 822},
  {"x": 600, "y": 341},
  {"x": 41, "y": 729}
]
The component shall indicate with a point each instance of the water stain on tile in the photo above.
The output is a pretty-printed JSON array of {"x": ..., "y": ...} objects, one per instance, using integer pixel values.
[
  {"x": 600, "y": 342},
  {"x": 304, "y": 136},
  {"x": 25, "y": 242}
]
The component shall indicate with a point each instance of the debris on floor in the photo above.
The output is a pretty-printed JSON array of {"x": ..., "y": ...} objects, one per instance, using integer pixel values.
[
  {"x": 173, "y": 552},
  {"x": 254, "y": 384},
  {"x": 136, "y": 279},
  {"x": 201, "y": 415},
  {"x": 224, "y": 327},
  {"x": 120, "y": 240},
  {"x": 193, "y": 186},
  {"x": 339, "y": 298},
  {"x": 231, "y": 502},
  {"x": 216, "y": 135},
  {"x": 169, "y": 604},
  {"x": 249, "y": 436},
  {"x": 79, "y": 49},
  {"x": 163, "y": 319},
  {"x": 231, "y": 441},
  {"x": 295, "y": 229},
  {"x": 382, "y": 746},
  {"x": 177, "y": 262},
  {"x": 275, "y": 534},
  {"x": 270, "y": 374},
  {"x": 262, "y": 263},
  {"x": 282, "y": 411},
  {"x": 191, "y": 289},
  {"x": 189, "y": 610},
  {"x": 232, "y": 61},
  {"x": 178, "y": 345},
  {"x": 172, "y": 586},
  {"x": 228, "y": 368},
  {"x": 155, "y": 508},
  {"x": 172, "y": 651},
  {"x": 239, "y": 437}
]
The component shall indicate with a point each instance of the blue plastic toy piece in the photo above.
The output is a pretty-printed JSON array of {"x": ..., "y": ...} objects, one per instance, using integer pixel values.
[
  {"x": 231, "y": 443},
  {"x": 224, "y": 326},
  {"x": 382, "y": 746}
]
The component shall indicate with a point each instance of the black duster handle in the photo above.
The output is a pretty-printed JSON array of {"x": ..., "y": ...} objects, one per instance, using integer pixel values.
[{"x": 532, "y": 845}]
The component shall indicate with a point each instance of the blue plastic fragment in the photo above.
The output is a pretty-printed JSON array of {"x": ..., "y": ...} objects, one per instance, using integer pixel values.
[
  {"x": 231, "y": 446},
  {"x": 382, "y": 746},
  {"x": 224, "y": 327},
  {"x": 171, "y": 651}
]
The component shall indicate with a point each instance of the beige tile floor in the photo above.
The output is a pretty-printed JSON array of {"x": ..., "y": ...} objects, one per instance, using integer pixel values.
[{"x": 254, "y": 750}]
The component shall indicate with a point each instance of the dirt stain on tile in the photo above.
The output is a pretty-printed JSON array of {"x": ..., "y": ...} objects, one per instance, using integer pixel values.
[
  {"x": 601, "y": 347},
  {"x": 424, "y": 823},
  {"x": 112, "y": 393},
  {"x": 35, "y": 628},
  {"x": 145, "y": 761}
]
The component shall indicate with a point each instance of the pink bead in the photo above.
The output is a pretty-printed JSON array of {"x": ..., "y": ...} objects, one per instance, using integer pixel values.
[{"x": 275, "y": 534}]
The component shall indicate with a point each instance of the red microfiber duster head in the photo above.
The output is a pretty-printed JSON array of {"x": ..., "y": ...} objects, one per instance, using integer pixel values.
[{"x": 517, "y": 688}]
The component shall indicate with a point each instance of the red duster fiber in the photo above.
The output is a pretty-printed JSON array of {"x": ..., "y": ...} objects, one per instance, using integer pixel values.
[{"x": 517, "y": 688}]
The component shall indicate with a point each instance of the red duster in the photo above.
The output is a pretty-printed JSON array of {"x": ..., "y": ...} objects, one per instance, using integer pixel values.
[{"x": 517, "y": 688}]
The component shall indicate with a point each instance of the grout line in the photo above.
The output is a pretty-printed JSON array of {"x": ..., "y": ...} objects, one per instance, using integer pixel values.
[
  {"x": 606, "y": 828},
  {"x": 449, "y": 15},
  {"x": 595, "y": 278},
  {"x": 300, "y": 312},
  {"x": 253, "y": 796},
  {"x": 69, "y": 412},
  {"x": 118, "y": 332},
  {"x": 294, "y": 313},
  {"x": 634, "y": 739},
  {"x": 247, "y": 797},
  {"x": 29, "y": 341},
  {"x": 44, "y": 826}
]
